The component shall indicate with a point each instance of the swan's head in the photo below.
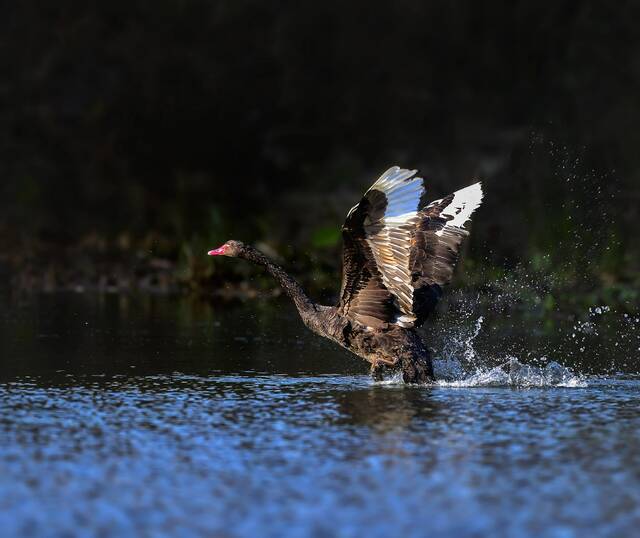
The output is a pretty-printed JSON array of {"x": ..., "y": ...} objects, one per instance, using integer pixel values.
[{"x": 231, "y": 248}]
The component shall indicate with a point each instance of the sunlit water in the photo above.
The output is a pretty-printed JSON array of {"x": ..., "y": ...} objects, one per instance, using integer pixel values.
[{"x": 124, "y": 416}]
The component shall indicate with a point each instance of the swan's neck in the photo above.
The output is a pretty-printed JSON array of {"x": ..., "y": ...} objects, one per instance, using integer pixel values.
[{"x": 305, "y": 306}]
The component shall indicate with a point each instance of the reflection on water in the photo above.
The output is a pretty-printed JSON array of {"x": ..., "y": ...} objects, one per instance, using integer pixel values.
[{"x": 128, "y": 416}]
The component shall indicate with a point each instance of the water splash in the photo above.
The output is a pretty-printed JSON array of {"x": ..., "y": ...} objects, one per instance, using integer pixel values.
[
  {"x": 555, "y": 302},
  {"x": 518, "y": 349},
  {"x": 462, "y": 329},
  {"x": 471, "y": 371},
  {"x": 395, "y": 378},
  {"x": 470, "y": 352},
  {"x": 513, "y": 373},
  {"x": 470, "y": 355}
]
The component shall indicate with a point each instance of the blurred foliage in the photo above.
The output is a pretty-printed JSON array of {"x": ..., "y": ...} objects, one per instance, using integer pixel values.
[
  {"x": 138, "y": 135},
  {"x": 329, "y": 236}
]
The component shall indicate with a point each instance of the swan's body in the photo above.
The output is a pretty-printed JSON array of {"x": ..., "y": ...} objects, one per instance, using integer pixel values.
[{"x": 399, "y": 251}]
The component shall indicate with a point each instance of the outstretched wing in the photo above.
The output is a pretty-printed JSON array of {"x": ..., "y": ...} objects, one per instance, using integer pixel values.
[{"x": 399, "y": 251}]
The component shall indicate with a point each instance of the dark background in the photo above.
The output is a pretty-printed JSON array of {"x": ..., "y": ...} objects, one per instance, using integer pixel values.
[{"x": 136, "y": 135}]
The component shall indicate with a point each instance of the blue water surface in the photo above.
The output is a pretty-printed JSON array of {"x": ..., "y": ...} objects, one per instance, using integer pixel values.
[{"x": 122, "y": 419}]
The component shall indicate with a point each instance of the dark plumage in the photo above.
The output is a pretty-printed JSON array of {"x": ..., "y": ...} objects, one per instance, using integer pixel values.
[{"x": 398, "y": 253}]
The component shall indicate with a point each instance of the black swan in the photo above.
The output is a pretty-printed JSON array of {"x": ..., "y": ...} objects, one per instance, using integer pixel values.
[{"x": 398, "y": 253}]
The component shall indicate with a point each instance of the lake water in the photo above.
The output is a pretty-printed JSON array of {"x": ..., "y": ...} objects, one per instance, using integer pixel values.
[{"x": 150, "y": 416}]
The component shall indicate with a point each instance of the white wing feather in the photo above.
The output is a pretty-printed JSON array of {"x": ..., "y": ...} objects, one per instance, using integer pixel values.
[{"x": 391, "y": 238}]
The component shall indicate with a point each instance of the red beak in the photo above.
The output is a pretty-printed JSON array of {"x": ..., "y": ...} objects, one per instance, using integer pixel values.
[{"x": 217, "y": 251}]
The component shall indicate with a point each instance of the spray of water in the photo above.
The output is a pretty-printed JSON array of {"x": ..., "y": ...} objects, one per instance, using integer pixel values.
[
  {"x": 525, "y": 328},
  {"x": 533, "y": 326}
]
